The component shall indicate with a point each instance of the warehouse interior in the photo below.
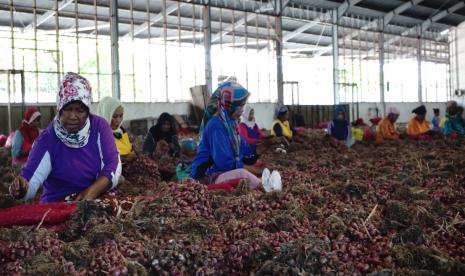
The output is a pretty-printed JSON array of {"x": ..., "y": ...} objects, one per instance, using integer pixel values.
[
  {"x": 306, "y": 202},
  {"x": 369, "y": 53}
]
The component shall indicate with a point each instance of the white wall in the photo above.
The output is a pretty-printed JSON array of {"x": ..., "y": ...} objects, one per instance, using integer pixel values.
[
  {"x": 144, "y": 110},
  {"x": 264, "y": 112}
]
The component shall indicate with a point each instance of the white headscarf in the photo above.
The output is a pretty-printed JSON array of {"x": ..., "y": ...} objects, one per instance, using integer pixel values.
[
  {"x": 245, "y": 117},
  {"x": 106, "y": 109}
]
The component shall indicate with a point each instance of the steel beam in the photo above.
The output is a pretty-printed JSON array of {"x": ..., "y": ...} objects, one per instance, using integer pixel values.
[
  {"x": 115, "y": 72},
  {"x": 47, "y": 15}
]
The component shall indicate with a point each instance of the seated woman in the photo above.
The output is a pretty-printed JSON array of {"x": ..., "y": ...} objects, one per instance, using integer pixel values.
[
  {"x": 74, "y": 155},
  {"x": 112, "y": 111},
  {"x": 436, "y": 120},
  {"x": 25, "y": 136},
  {"x": 221, "y": 150},
  {"x": 188, "y": 153},
  {"x": 165, "y": 130},
  {"x": 360, "y": 130},
  {"x": 281, "y": 126},
  {"x": 251, "y": 134},
  {"x": 387, "y": 127},
  {"x": 453, "y": 123},
  {"x": 418, "y": 127},
  {"x": 339, "y": 128}
]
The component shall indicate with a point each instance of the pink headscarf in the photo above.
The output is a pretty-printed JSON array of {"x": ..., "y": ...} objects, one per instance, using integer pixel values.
[{"x": 393, "y": 110}]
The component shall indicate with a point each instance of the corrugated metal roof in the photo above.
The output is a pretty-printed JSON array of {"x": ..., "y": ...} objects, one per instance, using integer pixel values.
[{"x": 296, "y": 14}]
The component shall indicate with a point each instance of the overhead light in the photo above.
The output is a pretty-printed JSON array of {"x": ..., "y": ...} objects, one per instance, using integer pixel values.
[{"x": 446, "y": 31}]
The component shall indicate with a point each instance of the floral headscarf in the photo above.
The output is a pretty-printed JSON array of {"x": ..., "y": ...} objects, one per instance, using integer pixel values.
[{"x": 73, "y": 88}]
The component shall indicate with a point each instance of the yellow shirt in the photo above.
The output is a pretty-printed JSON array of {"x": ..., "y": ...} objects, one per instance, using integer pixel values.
[
  {"x": 124, "y": 145},
  {"x": 285, "y": 128},
  {"x": 415, "y": 128},
  {"x": 357, "y": 134},
  {"x": 386, "y": 130}
]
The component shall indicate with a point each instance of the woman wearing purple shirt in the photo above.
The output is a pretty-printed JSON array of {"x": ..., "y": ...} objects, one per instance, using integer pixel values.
[{"x": 76, "y": 154}]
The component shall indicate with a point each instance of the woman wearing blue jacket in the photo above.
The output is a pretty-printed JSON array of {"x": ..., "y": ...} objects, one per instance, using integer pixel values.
[{"x": 221, "y": 149}]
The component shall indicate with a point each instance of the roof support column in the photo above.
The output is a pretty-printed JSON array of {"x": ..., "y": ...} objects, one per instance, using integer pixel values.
[
  {"x": 279, "y": 56},
  {"x": 420, "y": 83},
  {"x": 207, "y": 34},
  {"x": 115, "y": 72},
  {"x": 335, "y": 57}
]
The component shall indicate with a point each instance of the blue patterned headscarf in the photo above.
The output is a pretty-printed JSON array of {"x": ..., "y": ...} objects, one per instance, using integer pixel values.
[{"x": 227, "y": 97}]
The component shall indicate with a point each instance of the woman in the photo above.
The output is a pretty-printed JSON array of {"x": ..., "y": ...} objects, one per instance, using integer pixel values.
[
  {"x": 359, "y": 129},
  {"x": 436, "y": 120},
  {"x": 25, "y": 136},
  {"x": 418, "y": 127},
  {"x": 75, "y": 155},
  {"x": 188, "y": 153},
  {"x": 281, "y": 126},
  {"x": 339, "y": 128},
  {"x": 387, "y": 128},
  {"x": 112, "y": 111},
  {"x": 453, "y": 124},
  {"x": 221, "y": 151},
  {"x": 165, "y": 130},
  {"x": 251, "y": 134}
]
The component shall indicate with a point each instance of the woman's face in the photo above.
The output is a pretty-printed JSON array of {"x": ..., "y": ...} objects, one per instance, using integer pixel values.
[
  {"x": 393, "y": 117},
  {"x": 284, "y": 116},
  {"x": 36, "y": 122},
  {"x": 238, "y": 113},
  {"x": 340, "y": 116},
  {"x": 251, "y": 115},
  {"x": 166, "y": 126},
  {"x": 421, "y": 117},
  {"x": 73, "y": 116},
  {"x": 117, "y": 118}
]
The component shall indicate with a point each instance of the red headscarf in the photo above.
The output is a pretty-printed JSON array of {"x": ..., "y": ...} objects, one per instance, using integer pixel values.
[{"x": 30, "y": 133}]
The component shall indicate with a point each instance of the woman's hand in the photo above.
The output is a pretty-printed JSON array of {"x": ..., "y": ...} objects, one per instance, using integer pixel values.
[
  {"x": 18, "y": 188},
  {"x": 101, "y": 185}
]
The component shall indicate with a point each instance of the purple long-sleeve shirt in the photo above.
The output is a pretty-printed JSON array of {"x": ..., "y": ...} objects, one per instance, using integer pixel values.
[{"x": 63, "y": 170}]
